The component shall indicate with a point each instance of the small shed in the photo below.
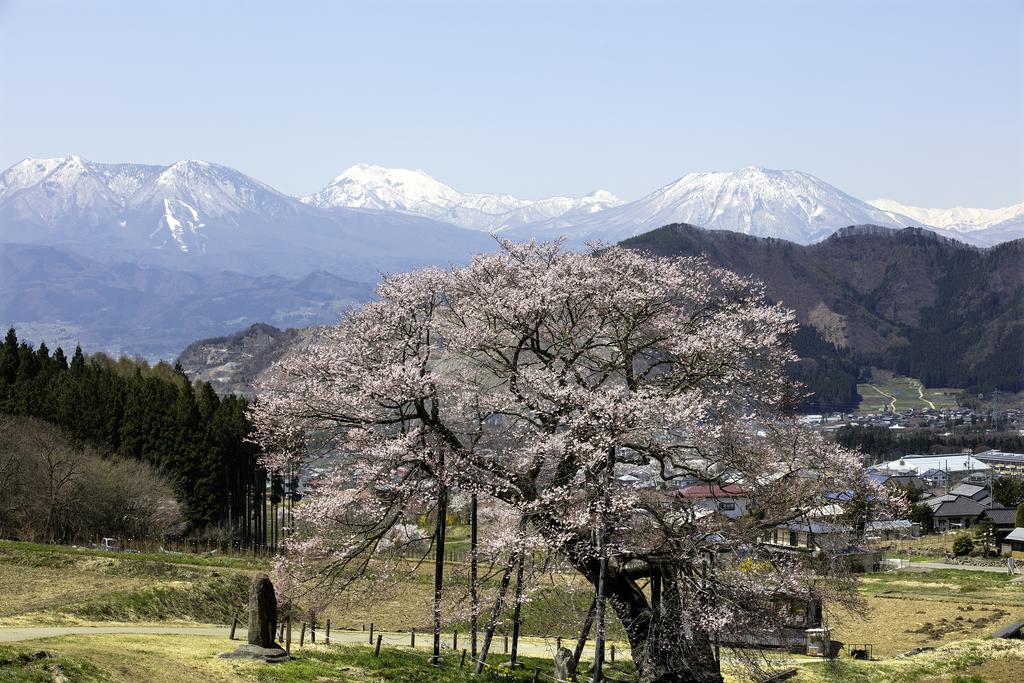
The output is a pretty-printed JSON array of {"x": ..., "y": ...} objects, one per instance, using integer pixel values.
[
  {"x": 1013, "y": 544},
  {"x": 819, "y": 643}
]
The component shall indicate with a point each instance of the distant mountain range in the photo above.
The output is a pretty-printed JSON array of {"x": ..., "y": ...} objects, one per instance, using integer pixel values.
[
  {"x": 197, "y": 215},
  {"x": 866, "y": 297},
  {"x": 142, "y": 259},
  {"x": 394, "y": 189}
]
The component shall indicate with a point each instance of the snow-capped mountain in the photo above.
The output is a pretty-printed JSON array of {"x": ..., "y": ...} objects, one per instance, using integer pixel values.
[
  {"x": 767, "y": 203},
  {"x": 985, "y": 226},
  {"x": 415, "y": 192},
  {"x": 958, "y": 218},
  {"x": 199, "y": 214}
]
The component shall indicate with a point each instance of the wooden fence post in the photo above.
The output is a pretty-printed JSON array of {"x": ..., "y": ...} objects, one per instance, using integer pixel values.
[
  {"x": 613, "y": 653},
  {"x": 371, "y": 633},
  {"x": 302, "y": 636},
  {"x": 327, "y": 635},
  {"x": 312, "y": 631},
  {"x": 536, "y": 674},
  {"x": 506, "y": 643},
  {"x": 376, "y": 650},
  {"x": 455, "y": 640},
  {"x": 288, "y": 635},
  {"x": 462, "y": 662},
  {"x": 412, "y": 638},
  {"x": 234, "y": 622}
]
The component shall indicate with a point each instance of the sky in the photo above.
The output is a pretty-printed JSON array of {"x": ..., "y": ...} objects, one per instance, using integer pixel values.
[{"x": 921, "y": 101}]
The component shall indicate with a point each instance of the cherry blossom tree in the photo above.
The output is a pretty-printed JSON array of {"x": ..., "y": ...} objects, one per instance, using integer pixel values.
[{"x": 529, "y": 378}]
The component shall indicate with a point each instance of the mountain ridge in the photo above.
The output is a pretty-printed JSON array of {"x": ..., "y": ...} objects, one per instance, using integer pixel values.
[
  {"x": 907, "y": 300},
  {"x": 209, "y": 210}
]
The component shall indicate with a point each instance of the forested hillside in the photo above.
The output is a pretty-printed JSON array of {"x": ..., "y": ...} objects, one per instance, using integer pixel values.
[
  {"x": 154, "y": 414},
  {"x": 907, "y": 300}
]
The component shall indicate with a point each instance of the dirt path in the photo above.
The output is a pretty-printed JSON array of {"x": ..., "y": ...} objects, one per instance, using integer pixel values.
[
  {"x": 920, "y": 395},
  {"x": 892, "y": 399},
  {"x": 943, "y": 565}
]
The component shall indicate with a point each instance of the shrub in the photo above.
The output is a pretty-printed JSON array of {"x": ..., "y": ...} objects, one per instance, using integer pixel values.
[{"x": 963, "y": 545}]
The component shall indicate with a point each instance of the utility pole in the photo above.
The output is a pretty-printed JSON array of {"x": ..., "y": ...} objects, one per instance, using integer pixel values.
[
  {"x": 474, "y": 587},
  {"x": 602, "y": 548},
  {"x": 441, "y": 529}
]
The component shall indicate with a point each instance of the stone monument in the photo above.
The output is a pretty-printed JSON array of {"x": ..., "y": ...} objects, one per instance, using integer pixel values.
[{"x": 262, "y": 624}]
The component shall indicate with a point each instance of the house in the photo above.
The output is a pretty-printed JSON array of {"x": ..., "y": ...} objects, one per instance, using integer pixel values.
[
  {"x": 888, "y": 529},
  {"x": 958, "y": 467},
  {"x": 1013, "y": 544},
  {"x": 809, "y": 535},
  {"x": 954, "y": 512},
  {"x": 934, "y": 478},
  {"x": 976, "y": 493},
  {"x": 1003, "y": 520},
  {"x": 729, "y": 500}
]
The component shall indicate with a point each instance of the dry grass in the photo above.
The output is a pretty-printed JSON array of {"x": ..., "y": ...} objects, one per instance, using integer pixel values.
[
  {"x": 973, "y": 661},
  {"x": 895, "y": 625},
  {"x": 48, "y": 588},
  {"x": 142, "y": 658}
]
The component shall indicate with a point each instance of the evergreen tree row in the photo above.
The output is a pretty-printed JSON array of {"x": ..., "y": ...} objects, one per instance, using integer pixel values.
[{"x": 154, "y": 414}]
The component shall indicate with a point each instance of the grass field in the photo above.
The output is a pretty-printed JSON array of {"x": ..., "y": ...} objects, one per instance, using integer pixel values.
[
  {"x": 187, "y": 659},
  {"x": 902, "y": 393},
  {"x": 951, "y": 609},
  {"x": 57, "y": 585}
]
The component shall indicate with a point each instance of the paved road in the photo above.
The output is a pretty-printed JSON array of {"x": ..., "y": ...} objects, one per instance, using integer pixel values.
[
  {"x": 35, "y": 632},
  {"x": 942, "y": 565},
  {"x": 528, "y": 647}
]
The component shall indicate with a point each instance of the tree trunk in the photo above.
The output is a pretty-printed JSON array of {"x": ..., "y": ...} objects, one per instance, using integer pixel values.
[
  {"x": 499, "y": 603},
  {"x": 665, "y": 648},
  {"x": 517, "y": 611}
]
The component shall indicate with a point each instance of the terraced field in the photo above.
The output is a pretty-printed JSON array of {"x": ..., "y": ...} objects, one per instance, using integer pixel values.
[{"x": 902, "y": 393}]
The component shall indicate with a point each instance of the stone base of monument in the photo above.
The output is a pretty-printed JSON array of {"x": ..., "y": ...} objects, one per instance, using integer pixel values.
[{"x": 270, "y": 655}]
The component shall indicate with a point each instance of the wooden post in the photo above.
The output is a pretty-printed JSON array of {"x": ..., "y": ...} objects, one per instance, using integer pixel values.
[
  {"x": 462, "y": 662},
  {"x": 371, "y": 633},
  {"x": 455, "y": 640},
  {"x": 376, "y": 650},
  {"x": 312, "y": 630},
  {"x": 536, "y": 674},
  {"x": 327, "y": 635},
  {"x": 506, "y": 643},
  {"x": 234, "y": 622},
  {"x": 558, "y": 643},
  {"x": 412, "y": 638},
  {"x": 288, "y": 635},
  {"x": 613, "y": 653}
]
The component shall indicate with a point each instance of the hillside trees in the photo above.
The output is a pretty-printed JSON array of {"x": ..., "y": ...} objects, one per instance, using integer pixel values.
[
  {"x": 52, "y": 490},
  {"x": 527, "y": 378},
  {"x": 146, "y": 414}
]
